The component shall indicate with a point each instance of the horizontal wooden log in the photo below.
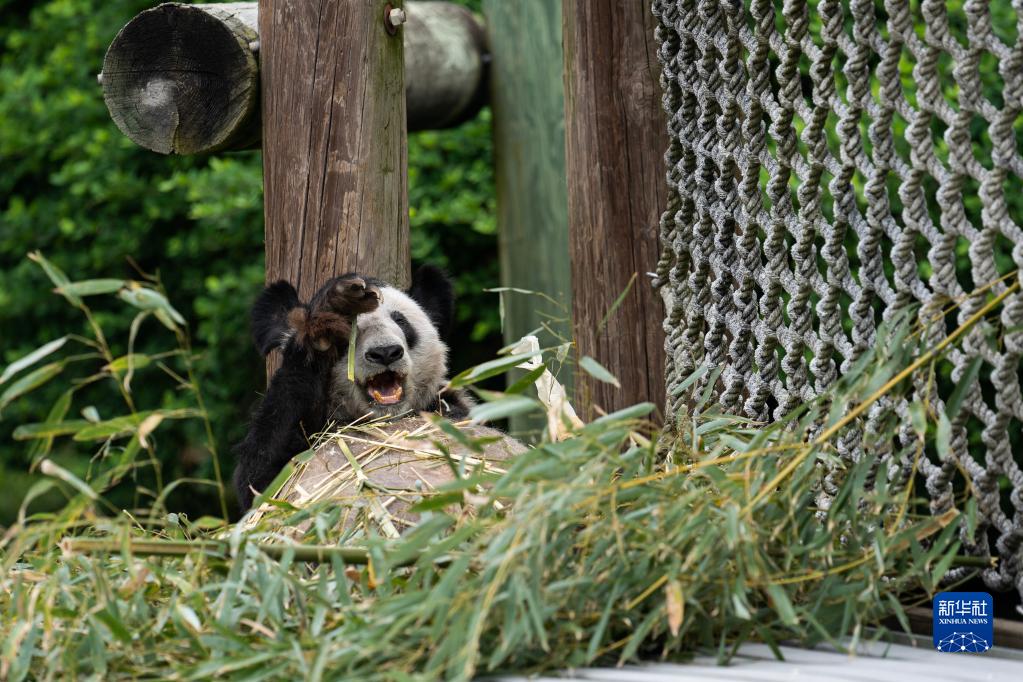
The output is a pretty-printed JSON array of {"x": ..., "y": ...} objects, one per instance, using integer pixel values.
[{"x": 184, "y": 79}]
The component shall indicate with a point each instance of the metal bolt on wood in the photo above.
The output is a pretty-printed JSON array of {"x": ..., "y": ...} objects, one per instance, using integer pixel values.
[{"x": 393, "y": 18}]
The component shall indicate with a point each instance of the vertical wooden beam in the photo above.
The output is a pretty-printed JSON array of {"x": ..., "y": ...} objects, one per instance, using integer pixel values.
[
  {"x": 334, "y": 141},
  {"x": 528, "y": 100},
  {"x": 615, "y": 138}
]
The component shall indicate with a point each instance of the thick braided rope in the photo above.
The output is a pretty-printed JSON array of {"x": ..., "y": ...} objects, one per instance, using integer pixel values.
[{"x": 829, "y": 166}]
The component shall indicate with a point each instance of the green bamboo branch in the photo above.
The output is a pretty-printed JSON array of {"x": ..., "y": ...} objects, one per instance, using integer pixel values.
[{"x": 314, "y": 553}]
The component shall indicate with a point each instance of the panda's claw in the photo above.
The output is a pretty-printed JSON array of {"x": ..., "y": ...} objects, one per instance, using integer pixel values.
[
  {"x": 375, "y": 294},
  {"x": 354, "y": 296},
  {"x": 355, "y": 285}
]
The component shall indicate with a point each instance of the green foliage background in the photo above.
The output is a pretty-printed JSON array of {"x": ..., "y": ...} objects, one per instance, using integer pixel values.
[{"x": 76, "y": 189}]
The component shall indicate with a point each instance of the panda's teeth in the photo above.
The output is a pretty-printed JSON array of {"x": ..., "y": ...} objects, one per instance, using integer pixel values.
[
  {"x": 388, "y": 399},
  {"x": 385, "y": 388}
]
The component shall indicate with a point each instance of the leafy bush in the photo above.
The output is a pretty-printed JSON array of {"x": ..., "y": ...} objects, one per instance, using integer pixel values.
[{"x": 75, "y": 188}]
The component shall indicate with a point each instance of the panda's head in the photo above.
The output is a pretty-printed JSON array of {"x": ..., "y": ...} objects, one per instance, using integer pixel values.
[{"x": 400, "y": 354}]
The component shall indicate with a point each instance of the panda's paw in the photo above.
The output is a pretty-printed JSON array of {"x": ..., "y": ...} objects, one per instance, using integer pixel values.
[
  {"x": 352, "y": 296},
  {"x": 321, "y": 330}
]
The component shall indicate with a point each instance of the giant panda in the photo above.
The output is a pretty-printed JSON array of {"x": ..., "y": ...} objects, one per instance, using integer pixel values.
[{"x": 400, "y": 364}]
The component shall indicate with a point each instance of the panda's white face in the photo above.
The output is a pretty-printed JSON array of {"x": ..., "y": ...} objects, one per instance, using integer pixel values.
[{"x": 400, "y": 361}]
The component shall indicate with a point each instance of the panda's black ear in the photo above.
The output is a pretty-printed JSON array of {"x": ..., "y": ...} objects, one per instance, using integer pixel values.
[
  {"x": 432, "y": 290},
  {"x": 270, "y": 315}
]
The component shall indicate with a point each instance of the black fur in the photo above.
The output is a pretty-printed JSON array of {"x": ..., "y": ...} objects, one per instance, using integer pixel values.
[
  {"x": 312, "y": 338},
  {"x": 432, "y": 289},
  {"x": 453, "y": 404},
  {"x": 411, "y": 337},
  {"x": 270, "y": 315},
  {"x": 294, "y": 408}
]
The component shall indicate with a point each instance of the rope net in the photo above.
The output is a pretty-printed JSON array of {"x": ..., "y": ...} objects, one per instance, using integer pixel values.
[{"x": 832, "y": 163}]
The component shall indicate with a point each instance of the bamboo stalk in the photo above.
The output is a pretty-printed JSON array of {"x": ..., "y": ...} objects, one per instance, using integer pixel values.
[{"x": 314, "y": 553}]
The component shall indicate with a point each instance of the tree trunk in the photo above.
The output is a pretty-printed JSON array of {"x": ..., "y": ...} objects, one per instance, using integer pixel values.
[
  {"x": 334, "y": 160},
  {"x": 615, "y": 138},
  {"x": 185, "y": 78}
]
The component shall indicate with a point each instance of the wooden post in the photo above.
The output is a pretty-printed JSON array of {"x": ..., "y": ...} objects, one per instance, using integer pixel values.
[
  {"x": 184, "y": 79},
  {"x": 528, "y": 99},
  {"x": 334, "y": 142},
  {"x": 615, "y": 139}
]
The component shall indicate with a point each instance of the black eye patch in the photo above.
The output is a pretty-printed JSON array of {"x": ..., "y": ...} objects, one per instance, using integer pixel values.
[{"x": 411, "y": 338}]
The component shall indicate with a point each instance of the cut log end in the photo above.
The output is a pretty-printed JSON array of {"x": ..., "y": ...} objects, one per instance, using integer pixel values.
[{"x": 182, "y": 79}]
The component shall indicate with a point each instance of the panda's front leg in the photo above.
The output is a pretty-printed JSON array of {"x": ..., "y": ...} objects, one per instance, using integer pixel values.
[
  {"x": 326, "y": 324},
  {"x": 290, "y": 412},
  {"x": 296, "y": 402}
]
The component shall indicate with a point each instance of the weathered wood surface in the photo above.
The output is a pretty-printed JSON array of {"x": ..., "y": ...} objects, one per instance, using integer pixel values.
[
  {"x": 401, "y": 462},
  {"x": 528, "y": 99},
  {"x": 185, "y": 78},
  {"x": 615, "y": 138},
  {"x": 445, "y": 65},
  {"x": 334, "y": 161}
]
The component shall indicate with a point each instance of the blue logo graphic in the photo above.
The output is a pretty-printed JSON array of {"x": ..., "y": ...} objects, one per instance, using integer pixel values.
[{"x": 964, "y": 622}]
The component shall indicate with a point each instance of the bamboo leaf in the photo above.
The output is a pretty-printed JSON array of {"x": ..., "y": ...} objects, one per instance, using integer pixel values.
[
  {"x": 675, "y": 605},
  {"x": 50, "y": 468},
  {"x": 491, "y": 368},
  {"x": 49, "y": 429},
  {"x": 91, "y": 287},
  {"x": 128, "y": 424},
  {"x": 692, "y": 378},
  {"x": 189, "y": 617},
  {"x": 618, "y": 301},
  {"x": 114, "y": 625},
  {"x": 634, "y": 412},
  {"x": 132, "y": 361},
  {"x": 32, "y": 358},
  {"x": 526, "y": 381},
  {"x": 56, "y": 276},
  {"x": 57, "y": 412},
  {"x": 437, "y": 502},
  {"x": 964, "y": 384},
  {"x": 598, "y": 371},
  {"x": 147, "y": 426},
  {"x": 943, "y": 437},
  {"x": 30, "y": 382},
  {"x": 782, "y": 604},
  {"x": 503, "y": 408},
  {"x": 111, "y": 428},
  {"x": 351, "y": 351},
  {"x": 145, "y": 298},
  {"x": 918, "y": 418}
]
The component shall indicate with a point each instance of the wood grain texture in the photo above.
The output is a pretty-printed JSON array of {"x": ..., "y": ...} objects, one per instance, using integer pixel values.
[
  {"x": 184, "y": 79},
  {"x": 445, "y": 65},
  {"x": 334, "y": 162},
  {"x": 615, "y": 138},
  {"x": 334, "y": 143},
  {"x": 528, "y": 99}
]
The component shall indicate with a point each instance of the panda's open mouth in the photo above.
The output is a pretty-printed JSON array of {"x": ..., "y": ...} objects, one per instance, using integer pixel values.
[{"x": 386, "y": 388}]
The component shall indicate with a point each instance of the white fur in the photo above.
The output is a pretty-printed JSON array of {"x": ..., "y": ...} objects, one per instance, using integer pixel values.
[{"x": 424, "y": 366}]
